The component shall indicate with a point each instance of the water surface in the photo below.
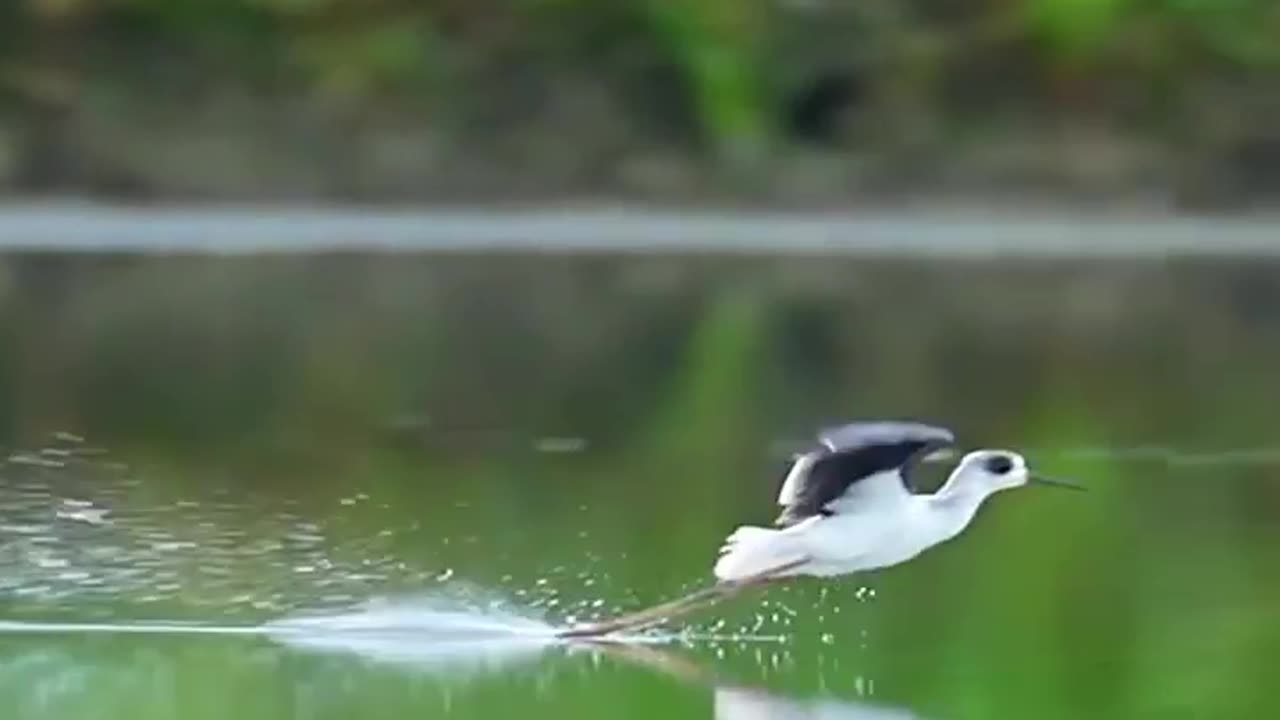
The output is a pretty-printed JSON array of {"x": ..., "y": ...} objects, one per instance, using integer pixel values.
[{"x": 325, "y": 486}]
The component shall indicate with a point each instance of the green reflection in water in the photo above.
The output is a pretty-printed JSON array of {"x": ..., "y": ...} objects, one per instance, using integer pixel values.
[{"x": 573, "y": 436}]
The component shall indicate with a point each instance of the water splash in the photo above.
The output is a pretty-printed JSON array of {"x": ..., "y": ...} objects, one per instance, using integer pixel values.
[
  {"x": 422, "y": 615},
  {"x": 426, "y": 632}
]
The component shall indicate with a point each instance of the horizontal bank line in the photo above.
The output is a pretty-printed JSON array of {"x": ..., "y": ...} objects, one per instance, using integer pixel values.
[{"x": 247, "y": 229}]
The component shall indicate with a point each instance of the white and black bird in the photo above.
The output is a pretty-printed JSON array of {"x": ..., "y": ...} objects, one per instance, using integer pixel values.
[{"x": 848, "y": 506}]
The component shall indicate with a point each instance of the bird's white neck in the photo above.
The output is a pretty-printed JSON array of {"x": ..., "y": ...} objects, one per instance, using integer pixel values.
[{"x": 956, "y": 502}]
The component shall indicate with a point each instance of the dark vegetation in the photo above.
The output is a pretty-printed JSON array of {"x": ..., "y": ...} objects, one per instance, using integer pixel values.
[{"x": 791, "y": 101}]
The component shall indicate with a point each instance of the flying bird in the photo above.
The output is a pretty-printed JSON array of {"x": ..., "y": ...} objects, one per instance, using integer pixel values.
[{"x": 848, "y": 505}]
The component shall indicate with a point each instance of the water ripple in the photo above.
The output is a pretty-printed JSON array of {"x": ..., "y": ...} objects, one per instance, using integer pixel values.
[{"x": 77, "y": 533}]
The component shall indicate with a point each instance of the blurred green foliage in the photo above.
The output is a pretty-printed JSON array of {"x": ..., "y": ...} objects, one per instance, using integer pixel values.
[
  {"x": 728, "y": 62},
  {"x": 1178, "y": 33}
]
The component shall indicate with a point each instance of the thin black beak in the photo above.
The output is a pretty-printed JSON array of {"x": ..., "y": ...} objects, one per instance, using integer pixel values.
[{"x": 1042, "y": 480}]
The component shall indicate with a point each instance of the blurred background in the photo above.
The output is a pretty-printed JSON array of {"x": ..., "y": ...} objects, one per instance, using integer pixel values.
[
  {"x": 1131, "y": 103},
  {"x": 207, "y": 420}
]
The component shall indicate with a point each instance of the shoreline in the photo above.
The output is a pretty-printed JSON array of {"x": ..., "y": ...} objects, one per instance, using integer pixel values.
[{"x": 80, "y": 225}]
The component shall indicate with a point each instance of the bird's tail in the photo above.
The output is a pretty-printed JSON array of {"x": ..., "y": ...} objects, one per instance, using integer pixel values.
[{"x": 752, "y": 551}]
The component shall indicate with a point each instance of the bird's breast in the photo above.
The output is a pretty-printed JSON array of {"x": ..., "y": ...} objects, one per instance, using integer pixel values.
[{"x": 869, "y": 540}]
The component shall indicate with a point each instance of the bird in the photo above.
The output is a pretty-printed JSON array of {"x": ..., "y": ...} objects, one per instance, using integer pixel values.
[{"x": 849, "y": 505}]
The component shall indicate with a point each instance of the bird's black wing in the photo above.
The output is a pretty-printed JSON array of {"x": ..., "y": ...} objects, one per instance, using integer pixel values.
[{"x": 846, "y": 456}]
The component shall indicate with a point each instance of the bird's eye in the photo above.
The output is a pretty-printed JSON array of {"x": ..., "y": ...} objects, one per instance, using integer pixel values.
[{"x": 998, "y": 464}]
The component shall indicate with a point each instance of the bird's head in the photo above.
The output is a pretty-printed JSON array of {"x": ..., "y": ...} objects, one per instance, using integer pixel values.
[{"x": 996, "y": 470}]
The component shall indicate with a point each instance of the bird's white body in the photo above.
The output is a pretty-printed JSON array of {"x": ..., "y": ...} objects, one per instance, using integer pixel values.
[{"x": 873, "y": 524}]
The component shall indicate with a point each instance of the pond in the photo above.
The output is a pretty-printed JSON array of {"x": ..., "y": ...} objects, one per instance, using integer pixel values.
[{"x": 356, "y": 484}]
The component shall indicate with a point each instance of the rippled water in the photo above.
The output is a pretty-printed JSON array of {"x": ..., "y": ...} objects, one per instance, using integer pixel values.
[
  {"x": 83, "y": 530},
  {"x": 373, "y": 486},
  {"x": 83, "y": 535}
]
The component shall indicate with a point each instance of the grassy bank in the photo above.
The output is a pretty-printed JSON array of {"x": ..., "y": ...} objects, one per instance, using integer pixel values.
[{"x": 710, "y": 101}]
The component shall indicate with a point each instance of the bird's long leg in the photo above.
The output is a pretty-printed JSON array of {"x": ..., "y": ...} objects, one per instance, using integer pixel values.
[
  {"x": 679, "y": 607},
  {"x": 656, "y": 614}
]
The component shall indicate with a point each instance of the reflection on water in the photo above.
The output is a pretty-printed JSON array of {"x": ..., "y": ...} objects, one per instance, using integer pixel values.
[
  {"x": 752, "y": 704},
  {"x": 256, "y": 450},
  {"x": 47, "y": 680},
  {"x": 734, "y": 701}
]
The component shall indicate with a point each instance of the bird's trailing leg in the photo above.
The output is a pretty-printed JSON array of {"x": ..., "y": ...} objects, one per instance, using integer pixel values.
[{"x": 679, "y": 607}]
